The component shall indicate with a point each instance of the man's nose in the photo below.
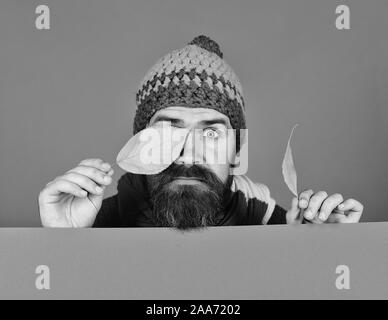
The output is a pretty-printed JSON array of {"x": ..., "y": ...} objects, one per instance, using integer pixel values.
[{"x": 191, "y": 152}]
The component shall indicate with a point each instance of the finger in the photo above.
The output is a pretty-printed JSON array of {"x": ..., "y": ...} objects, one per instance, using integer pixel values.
[
  {"x": 63, "y": 186},
  {"x": 304, "y": 198},
  {"x": 96, "y": 163},
  {"x": 293, "y": 213},
  {"x": 329, "y": 205},
  {"x": 351, "y": 205},
  {"x": 336, "y": 218},
  {"x": 97, "y": 199},
  {"x": 353, "y": 210},
  {"x": 96, "y": 175},
  {"x": 315, "y": 203},
  {"x": 84, "y": 182}
]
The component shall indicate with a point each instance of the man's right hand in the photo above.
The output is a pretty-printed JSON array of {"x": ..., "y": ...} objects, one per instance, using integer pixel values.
[{"x": 74, "y": 199}]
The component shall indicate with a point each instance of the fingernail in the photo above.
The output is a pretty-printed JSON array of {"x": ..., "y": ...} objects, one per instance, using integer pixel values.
[
  {"x": 322, "y": 216},
  {"x": 98, "y": 189},
  {"x": 341, "y": 206},
  {"x": 107, "y": 178},
  {"x": 106, "y": 166},
  {"x": 83, "y": 193}
]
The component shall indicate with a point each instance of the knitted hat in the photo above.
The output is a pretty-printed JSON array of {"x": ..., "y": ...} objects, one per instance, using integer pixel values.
[{"x": 195, "y": 76}]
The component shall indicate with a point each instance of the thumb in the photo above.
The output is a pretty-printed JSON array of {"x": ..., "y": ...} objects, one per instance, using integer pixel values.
[
  {"x": 96, "y": 200},
  {"x": 293, "y": 213}
]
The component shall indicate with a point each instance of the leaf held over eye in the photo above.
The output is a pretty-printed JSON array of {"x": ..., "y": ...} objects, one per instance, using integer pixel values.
[
  {"x": 152, "y": 150},
  {"x": 288, "y": 167}
]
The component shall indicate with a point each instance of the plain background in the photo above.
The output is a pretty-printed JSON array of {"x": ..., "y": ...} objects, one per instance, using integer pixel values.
[{"x": 68, "y": 93}]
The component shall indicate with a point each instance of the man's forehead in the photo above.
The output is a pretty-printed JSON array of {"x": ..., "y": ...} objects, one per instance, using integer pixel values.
[{"x": 188, "y": 114}]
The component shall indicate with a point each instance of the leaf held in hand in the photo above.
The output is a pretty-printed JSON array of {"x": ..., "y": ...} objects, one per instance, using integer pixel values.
[
  {"x": 152, "y": 150},
  {"x": 288, "y": 167}
]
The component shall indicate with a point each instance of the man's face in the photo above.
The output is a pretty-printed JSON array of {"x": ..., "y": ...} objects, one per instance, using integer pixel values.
[{"x": 189, "y": 193}]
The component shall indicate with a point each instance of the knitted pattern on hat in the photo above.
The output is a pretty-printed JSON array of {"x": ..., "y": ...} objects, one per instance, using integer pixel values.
[{"x": 195, "y": 76}]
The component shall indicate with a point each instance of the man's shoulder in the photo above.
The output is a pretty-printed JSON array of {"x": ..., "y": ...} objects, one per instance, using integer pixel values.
[{"x": 259, "y": 198}]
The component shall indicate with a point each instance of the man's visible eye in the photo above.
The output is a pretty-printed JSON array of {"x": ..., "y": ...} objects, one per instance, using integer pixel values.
[{"x": 211, "y": 133}]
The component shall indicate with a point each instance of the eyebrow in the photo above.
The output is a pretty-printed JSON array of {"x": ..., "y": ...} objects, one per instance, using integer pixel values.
[
  {"x": 215, "y": 121},
  {"x": 169, "y": 119},
  {"x": 181, "y": 122}
]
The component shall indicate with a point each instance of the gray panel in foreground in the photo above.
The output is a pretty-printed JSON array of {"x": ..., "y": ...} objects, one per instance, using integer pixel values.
[{"x": 252, "y": 262}]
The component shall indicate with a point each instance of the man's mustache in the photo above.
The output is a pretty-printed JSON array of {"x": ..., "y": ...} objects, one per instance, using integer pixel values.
[{"x": 194, "y": 171}]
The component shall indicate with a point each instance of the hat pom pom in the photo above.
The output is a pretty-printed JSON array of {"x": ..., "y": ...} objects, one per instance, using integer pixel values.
[{"x": 208, "y": 44}]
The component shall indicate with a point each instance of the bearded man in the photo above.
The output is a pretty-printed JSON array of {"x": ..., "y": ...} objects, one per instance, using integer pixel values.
[{"x": 195, "y": 89}]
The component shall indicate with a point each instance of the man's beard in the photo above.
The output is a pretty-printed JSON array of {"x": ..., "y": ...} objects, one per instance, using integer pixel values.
[{"x": 186, "y": 206}]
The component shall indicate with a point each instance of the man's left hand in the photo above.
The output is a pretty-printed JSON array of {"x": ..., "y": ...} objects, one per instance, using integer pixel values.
[{"x": 320, "y": 208}]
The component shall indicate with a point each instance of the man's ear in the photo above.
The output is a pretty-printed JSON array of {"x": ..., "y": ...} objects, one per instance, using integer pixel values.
[
  {"x": 239, "y": 165},
  {"x": 236, "y": 160}
]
